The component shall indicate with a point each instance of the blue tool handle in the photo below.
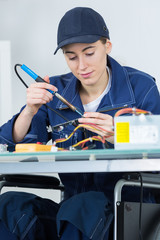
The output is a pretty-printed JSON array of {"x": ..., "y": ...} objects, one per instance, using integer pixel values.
[
  {"x": 39, "y": 79},
  {"x": 34, "y": 75},
  {"x": 29, "y": 72}
]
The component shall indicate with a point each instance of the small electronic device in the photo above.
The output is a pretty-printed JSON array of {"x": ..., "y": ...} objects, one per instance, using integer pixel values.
[
  {"x": 3, "y": 148},
  {"x": 137, "y": 132},
  {"x": 59, "y": 127},
  {"x": 32, "y": 147}
]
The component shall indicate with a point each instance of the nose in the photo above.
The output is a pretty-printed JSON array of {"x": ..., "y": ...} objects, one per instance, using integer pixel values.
[{"x": 82, "y": 65}]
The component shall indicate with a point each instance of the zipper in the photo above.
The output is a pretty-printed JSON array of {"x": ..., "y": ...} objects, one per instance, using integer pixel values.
[
  {"x": 107, "y": 227},
  {"x": 109, "y": 220},
  {"x": 96, "y": 228}
]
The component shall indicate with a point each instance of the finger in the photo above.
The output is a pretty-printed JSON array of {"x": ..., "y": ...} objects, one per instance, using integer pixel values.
[
  {"x": 91, "y": 120},
  {"x": 96, "y": 115},
  {"x": 97, "y": 131},
  {"x": 40, "y": 94},
  {"x": 37, "y": 101},
  {"x": 103, "y": 122},
  {"x": 34, "y": 102},
  {"x": 44, "y": 85},
  {"x": 42, "y": 97},
  {"x": 46, "y": 79}
]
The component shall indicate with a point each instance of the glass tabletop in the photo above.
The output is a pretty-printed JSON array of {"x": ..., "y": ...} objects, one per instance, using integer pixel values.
[{"x": 96, "y": 154}]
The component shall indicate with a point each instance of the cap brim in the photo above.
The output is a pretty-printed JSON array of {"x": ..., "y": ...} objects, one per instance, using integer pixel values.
[{"x": 78, "y": 39}]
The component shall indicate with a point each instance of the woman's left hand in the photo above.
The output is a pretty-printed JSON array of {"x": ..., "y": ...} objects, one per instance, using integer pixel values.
[{"x": 103, "y": 122}]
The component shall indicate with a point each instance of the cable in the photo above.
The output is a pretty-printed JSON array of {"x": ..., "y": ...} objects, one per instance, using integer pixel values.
[
  {"x": 140, "y": 208},
  {"x": 82, "y": 142},
  {"x": 15, "y": 68},
  {"x": 133, "y": 110},
  {"x": 100, "y": 128}
]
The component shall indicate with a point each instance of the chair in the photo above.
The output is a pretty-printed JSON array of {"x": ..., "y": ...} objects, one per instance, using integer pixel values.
[
  {"x": 31, "y": 181},
  {"x": 127, "y": 214},
  {"x": 23, "y": 215}
]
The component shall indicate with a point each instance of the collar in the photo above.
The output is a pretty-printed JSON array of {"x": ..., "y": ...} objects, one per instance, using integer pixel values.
[
  {"x": 71, "y": 94},
  {"x": 121, "y": 93}
]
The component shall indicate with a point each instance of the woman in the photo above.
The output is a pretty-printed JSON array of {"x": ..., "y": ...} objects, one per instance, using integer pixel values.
[{"x": 97, "y": 86}]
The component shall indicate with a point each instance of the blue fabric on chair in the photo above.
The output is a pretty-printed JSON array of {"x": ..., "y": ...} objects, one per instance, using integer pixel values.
[
  {"x": 72, "y": 233},
  {"x": 5, "y": 234},
  {"x": 88, "y": 215},
  {"x": 26, "y": 217}
]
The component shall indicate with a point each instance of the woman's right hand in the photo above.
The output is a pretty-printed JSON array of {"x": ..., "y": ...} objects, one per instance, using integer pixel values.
[{"x": 37, "y": 94}]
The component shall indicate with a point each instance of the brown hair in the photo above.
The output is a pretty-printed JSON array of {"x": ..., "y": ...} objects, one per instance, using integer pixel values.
[{"x": 103, "y": 40}]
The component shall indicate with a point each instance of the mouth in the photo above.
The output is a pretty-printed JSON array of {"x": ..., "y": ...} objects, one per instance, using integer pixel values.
[{"x": 86, "y": 75}]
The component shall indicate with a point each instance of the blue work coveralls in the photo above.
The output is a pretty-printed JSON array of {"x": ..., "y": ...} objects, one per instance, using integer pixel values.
[{"x": 129, "y": 88}]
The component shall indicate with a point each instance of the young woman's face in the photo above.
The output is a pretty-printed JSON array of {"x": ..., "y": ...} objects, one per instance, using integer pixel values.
[{"x": 88, "y": 61}]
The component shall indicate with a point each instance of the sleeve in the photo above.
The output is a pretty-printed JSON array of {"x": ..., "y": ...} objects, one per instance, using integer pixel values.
[
  {"x": 37, "y": 132},
  {"x": 6, "y": 133},
  {"x": 151, "y": 101}
]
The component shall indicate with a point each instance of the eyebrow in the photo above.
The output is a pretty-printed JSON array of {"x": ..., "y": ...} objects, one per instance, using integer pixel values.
[{"x": 82, "y": 50}]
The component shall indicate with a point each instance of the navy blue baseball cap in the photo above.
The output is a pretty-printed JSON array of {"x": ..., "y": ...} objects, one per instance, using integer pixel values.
[{"x": 81, "y": 25}]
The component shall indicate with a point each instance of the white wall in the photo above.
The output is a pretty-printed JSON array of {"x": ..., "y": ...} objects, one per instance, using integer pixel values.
[
  {"x": 5, "y": 82},
  {"x": 31, "y": 26}
]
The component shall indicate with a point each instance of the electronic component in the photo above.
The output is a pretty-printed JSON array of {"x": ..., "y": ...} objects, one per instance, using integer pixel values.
[
  {"x": 32, "y": 147},
  {"x": 3, "y": 148},
  {"x": 39, "y": 79},
  {"x": 137, "y": 132},
  {"x": 61, "y": 126}
]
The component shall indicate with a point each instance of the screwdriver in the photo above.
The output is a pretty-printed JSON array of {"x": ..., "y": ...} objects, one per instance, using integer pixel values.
[{"x": 39, "y": 79}]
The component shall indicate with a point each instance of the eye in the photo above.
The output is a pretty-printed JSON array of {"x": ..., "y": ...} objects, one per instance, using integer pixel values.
[
  {"x": 72, "y": 58},
  {"x": 90, "y": 54}
]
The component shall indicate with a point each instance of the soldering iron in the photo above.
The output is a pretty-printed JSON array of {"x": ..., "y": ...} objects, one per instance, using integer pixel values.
[{"x": 39, "y": 79}]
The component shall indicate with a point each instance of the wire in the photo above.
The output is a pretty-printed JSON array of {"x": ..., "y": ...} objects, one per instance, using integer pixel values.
[
  {"x": 82, "y": 142},
  {"x": 100, "y": 128},
  {"x": 132, "y": 111},
  {"x": 93, "y": 138},
  {"x": 140, "y": 208},
  {"x": 66, "y": 119},
  {"x": 79, "y": 126},
  {"x": 15, "y": 68}
]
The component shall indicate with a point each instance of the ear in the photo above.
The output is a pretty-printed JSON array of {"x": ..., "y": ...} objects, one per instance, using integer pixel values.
[{"x": 108, "y": 46}]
